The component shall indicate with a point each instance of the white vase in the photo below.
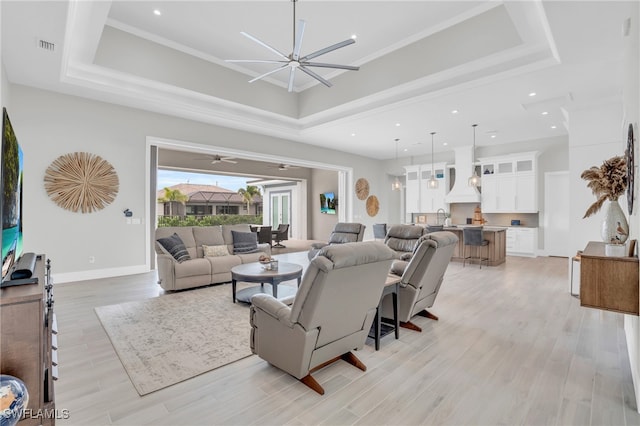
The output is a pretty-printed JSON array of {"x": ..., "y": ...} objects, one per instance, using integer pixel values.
[{"x": 615, "y": 229}]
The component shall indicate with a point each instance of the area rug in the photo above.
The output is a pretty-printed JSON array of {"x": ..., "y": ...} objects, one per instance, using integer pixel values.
[{"x": 171, "y": 338}]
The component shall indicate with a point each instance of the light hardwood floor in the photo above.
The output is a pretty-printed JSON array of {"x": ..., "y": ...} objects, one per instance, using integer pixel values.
[{"x": 511, "y": 347}]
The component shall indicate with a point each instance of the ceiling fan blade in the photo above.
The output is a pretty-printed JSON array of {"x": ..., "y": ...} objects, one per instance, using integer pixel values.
[
  {"x": 328, "y": 49},
  {"x": 226, "y": 160},
  {"x": 323, "y": 65},
  {"x": 269, "y": 73},
  {"x": 297, "y": 45},
  {"x": 274, "y": 50},
  {"x": 292, "y": 76},
  {"x": 316, "y": 76},
  {"x": 256, "y": 61}
]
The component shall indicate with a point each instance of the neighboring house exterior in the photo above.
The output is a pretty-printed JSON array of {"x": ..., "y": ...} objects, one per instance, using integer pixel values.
[{"x": 207, "y": 200}]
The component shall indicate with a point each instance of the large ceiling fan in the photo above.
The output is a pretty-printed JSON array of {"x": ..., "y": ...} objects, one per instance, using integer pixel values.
[{"x": 294, "y": 61}]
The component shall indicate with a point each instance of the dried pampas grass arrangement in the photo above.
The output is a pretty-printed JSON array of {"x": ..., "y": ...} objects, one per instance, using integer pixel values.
[{"x": 607, "y": 182}]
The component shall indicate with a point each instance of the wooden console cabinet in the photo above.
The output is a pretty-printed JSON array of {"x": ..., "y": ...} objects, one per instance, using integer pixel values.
[
  {"x": 28, "y": 342},
  {"x": 609, "y": 283}
]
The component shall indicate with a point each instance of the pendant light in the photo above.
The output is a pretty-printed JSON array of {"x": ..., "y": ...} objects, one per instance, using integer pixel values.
[
  {"x": 396, "y": 185},
  {"x": 432, "y": 183},
  {"x": 474, "y": 180}
]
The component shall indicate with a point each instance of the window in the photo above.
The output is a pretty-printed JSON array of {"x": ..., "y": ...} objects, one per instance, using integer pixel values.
[
  {"x": 227, "y": 210},
  {"x": 199, "y": 210}
]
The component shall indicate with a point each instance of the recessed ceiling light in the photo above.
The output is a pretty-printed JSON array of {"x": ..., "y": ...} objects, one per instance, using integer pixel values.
[
  {"x": 157, "y": 12},
  {"x": 553, "y": 127},
  {"x": 493, "y": 136},
  {"x": 353, "y": 134},
  {"x": 532, "y": 94},
  {"x": 445, "y": 143},
  {"x": 455, "y": 111},
  {"x": 406, "y": 149},
  {"x": 354, "y": 36},
  {"x": 544, "y": 113},
  {"x": 397, "y": 124}
]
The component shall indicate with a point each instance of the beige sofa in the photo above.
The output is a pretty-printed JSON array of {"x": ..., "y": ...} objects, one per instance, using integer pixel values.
[{"x": 201, "y": 270}]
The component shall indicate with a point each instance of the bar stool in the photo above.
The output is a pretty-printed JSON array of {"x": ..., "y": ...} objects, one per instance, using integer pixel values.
[
  {"x": 379, "y": 231},
  {"x": 473, "y": 237}
]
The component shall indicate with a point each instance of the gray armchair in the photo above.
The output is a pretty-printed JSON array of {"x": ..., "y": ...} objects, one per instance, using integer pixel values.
[
  {"x": 342, "y": 233},
  {"x": 402, "y": 239},
  {"x": 331, "y": 313},
  {"x": 421, "y": 277}
]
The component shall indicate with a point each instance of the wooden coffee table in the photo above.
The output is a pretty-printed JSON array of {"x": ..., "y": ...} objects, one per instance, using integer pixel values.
[{"x": 255, "y": 273}]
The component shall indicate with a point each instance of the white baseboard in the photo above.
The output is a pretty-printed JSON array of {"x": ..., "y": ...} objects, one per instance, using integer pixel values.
[{"x": 95, "y": 274}]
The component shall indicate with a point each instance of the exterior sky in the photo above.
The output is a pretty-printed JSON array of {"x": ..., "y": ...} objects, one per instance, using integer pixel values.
[{"x": 167, "y": 178}]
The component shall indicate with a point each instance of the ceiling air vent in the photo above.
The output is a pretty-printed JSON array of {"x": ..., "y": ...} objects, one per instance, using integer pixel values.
[{"x": 46, "y": 45}]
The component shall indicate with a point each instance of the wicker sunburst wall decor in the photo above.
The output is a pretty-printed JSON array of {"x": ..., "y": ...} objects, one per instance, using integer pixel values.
[
  {"x": 362, "y": 189},
  {"x": 373, "y": 205},
  {"x": 81, "y": 181}
]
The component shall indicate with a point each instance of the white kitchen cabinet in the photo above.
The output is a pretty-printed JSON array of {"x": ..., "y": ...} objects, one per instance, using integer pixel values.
[
  {"x": 509, "y": 183},
  {"x": 522, "y": 241},
  {"x": 413, "y": 189},
  {"x": 421, "y": 198},
  {"x": 526, "y": 198}
]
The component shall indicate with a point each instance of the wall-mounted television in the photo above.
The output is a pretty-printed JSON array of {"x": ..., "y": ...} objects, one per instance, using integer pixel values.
[
  {"x": 328, "y": 203},
  {"x": 11, "y": 164}
]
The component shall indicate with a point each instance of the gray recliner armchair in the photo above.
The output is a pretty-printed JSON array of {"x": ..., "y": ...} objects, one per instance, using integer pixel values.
[
  {"x": 402, "y": 239},
  {"x": 342, "y": 233},
  {"x": 330, "y": 315},
  {"x": 421, "y": 277}
]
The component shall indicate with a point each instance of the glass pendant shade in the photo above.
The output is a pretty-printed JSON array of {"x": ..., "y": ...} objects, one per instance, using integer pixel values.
[
  {"x": 395, "y": 186},
  {"x": 474, "y": 180},
  {"x": 432, "y": 183}
]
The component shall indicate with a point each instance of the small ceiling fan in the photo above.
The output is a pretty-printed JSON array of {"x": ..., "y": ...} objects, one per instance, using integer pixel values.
[
  {"x": 283, "y": 166},
  {"x": 294, "y": 61},
  {"x": 215, "y": 159}
]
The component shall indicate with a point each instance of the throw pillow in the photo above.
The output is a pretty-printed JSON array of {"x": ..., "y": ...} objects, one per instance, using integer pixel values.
[
  {"x": 175, "y": 247},
  {"x": 244, "y": 242},
  {"x": 215, "y": 251}
]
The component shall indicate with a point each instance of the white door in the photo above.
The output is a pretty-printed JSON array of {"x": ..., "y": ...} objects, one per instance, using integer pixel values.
[
  {"x": 280, "y": 209},
  {"x": 556, "y": 214}
]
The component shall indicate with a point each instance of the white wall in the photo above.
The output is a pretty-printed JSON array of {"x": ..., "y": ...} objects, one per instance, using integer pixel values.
[
  {"x": 631, "y": 113},
  {"x": 595, "y": 137},
  {"x": 49, "y": 125}
]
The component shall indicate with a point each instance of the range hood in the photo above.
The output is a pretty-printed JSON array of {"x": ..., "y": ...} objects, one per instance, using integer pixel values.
[{"x": 461, "y": 191}]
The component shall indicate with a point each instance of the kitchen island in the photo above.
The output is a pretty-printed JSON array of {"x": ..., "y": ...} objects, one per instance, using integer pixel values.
[{"x": 495, "y": 251}]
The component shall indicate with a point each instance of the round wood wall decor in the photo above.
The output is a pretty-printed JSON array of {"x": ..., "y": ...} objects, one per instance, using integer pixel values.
[
  {"x": 373, "y": 205},
  {"x": 362, "y": 189},
  {"x": 81, "y": 181}
]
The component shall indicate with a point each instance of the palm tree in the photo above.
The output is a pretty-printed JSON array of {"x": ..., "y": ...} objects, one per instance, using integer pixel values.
[
  {"x": 248, "y": 193},
  {"x": 171, "y": 196}
]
